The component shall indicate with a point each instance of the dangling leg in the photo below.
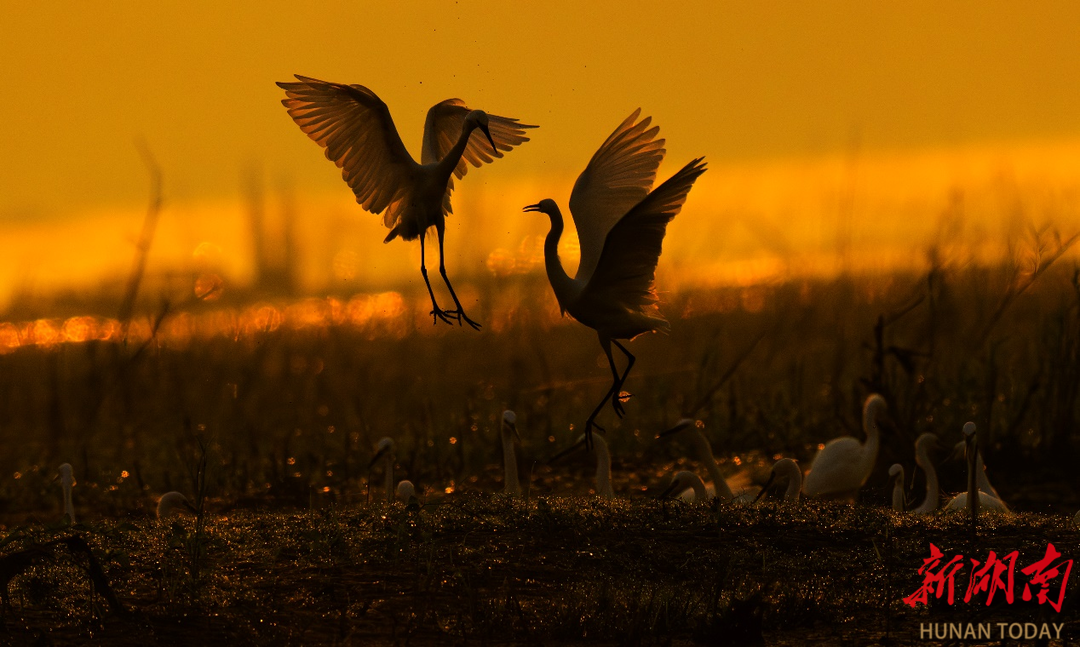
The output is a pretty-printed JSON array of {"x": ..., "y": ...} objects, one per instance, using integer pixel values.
[
  {"x": 616, "y": 387},
  {"x": 591, "y": 422},
  {"x": 436, "y": 312},
  {"x": 460, "y": 312},
  {"x": 618, "y": 395}
]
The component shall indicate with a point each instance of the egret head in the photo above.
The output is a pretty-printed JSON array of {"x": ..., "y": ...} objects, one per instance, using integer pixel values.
[
  {"x": 547, "y": 205},
  {"x": 172, "y": 503},
  {"x": 927, "y": 442},
  {"x": 685, "y": 423},
  {"x": 969, "y": 429},
  {"x": 682, "y": 481},
  {"x": 896, "y": 472},
  {"x": 385, "y": 447},
  {"x": 479, "y": 119},
  {"x": 405, "y": 491},
  {"x": 66, "y": 477},
  {"x": 509, "y": 424}
]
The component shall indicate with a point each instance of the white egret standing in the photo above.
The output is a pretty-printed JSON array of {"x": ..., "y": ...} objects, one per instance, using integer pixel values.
[
  {"x": 509, "y": 433},
  {"x": 700, "y": 444},
  {"x": 844, "y": 464},
  {"x": 982, "y": 481},
  {"x": 785, "y": 468},
  {"x": 405, "y": 491},
  {"x": 355, "y": 128},
  {"x": 67, "y": 481},
  {"x": 603, "y": 463},
  {"x": 621, "y": 227},
  {"x": 975, "y": 470},
  {"x": 923, "y": 444},
  {"x": 896, "y": 478},
  {"x": 686, "y": 481},
  {"x": 172, "y": 503},
  {"x": 384, "y": 451}
]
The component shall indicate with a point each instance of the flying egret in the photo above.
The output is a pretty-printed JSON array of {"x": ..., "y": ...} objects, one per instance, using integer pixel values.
[
  {"x": 896, "y": 478},
  {"x": 700, "y": 444},
  {"x": 511, "y": 484},
  {"x": 621, "y": 227},
  {"x": 384, "y": 451},
  {"x": 844, "y": 464},
  {"x": 355, "y": 128},
  {"x": 983, "y": 498},
  {"x": 923, "y": 444},
  {"x": 686, "y": 482},
  {"x": 172, "y": 503},
  {"x": 405, "y": 491},
  {"x": 785, "y": 468},
  {"x": 67, "y": 481},
  {"x": 603, "y": 463}
]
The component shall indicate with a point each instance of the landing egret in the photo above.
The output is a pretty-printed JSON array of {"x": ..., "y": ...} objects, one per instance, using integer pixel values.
[
  {"x": 511, "y": 486},
  {"x": 384, "y": 451},
  {"x": 67, "y": 481},
  {"x": 844, "y": 464},
  {"x": 355, "y": 128},
  {"x": 923, "y": 444},
  {"x": 785, "y": 468},
  {"x": 683, "y": 482},
  {"x": 405, "y": 491},
  {"x": 700, "y": 444},
  {"x": 983, "y": 498},
  {"x": 603, "y": 463},
  {"x": 621, "y": 227},
  {"x": 172, "y": 503},
  {"x": 896, "y": 478}
]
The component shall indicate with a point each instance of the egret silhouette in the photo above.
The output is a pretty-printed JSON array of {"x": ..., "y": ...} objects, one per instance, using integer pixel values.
[
  {"x": 405, "y": 491},
  {"x": 785, "y": 468},
  {"x": 355, "y": 128},
  {"x": 978, "y": 483},
  {"x": 621, "y": 227},
  {"x": 700, "y": 445},
  {"x": 687, "y": 486},
  {"x": 982, "y": 481},
  {"x": 844, "y": 464},
  {"x": 603, "y": 464},
  {"x": 923, "y": 444},
  {"x": 172, "y": 503},
  {"x": 896, "y": 479},
  {"x": 67, "y": 482}
]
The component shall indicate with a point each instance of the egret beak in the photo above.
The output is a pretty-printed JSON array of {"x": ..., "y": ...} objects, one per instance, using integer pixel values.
[
  {"x": 682, "y": 424},
  {"x": 670, "y": 491},
  {"x": 566, "y": 452},
  {"x": 532, "y": 207},
  {"x": 765, "y": 488},
  {"x": 382, "y": 452},
  {"x": 488, "y": 133}
]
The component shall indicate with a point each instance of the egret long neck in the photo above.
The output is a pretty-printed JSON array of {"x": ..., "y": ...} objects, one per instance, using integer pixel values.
[
  {"x": 561, "y": 283},
  {"x": 512, "y": 486},
  {"x": 705, "y": 455},
  {"x": 930, "y": 503},
  {"x": 448, "y": 163},
  {"x": 603, "y": 468}
]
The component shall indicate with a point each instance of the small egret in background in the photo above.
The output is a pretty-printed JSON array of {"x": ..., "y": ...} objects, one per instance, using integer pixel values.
[
  {"x": 509, "y": 433},
  {"x": 686, "y": 486},
  {"x": 621, "y": 227},
  {"x": 700, "y": 444},
  {"x": 603, "y": 463},
  {"x": 785, "y": 468},
  {"x": 405, "y": 491},
  {"x": 983, "y": 499},
  {"x": 896, "y": 479},
  {"x": 355, "y": 128},
  {"x": 172, "y": 503},
  {"x": 844, "y": 464},
  {"x": 923, "y": 444},
  {"x": 982, "y": 481},
  {"x": 384, "y": 451},
  {"x": 67, "y": 481}
]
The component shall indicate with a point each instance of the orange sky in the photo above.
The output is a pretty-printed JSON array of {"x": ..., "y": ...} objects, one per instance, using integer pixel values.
[{"x": 822, "y": 91}]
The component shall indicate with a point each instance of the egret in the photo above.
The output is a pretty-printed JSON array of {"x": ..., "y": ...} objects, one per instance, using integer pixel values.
[
  {"x": 67, "y": 481},
  {"x": 511, "y": 485},
  {"x": 603, "y": 463},
  {"x": 172, "y": 503},
  {"x": 405, "y": 491},
  {"x": 896, "y": 478},
  {"x": 983, "y": 482},
  {"x": 355, "y": 128},
  {"x": 981, "y": 486},
  {"x": 703, "y": 449},
  {"x": 785, "y": 468},
  {"x": 683, "y": 482},
  {"x": 844, "y": 464},
  {"x": 621, "y": 227},
  {"x": 384, "y": 451},
  {"x": 923, "y": 444}
]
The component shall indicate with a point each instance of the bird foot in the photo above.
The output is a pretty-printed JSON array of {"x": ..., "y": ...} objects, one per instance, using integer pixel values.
[
  {"x": 460, "y": 314},
  {"x": 589, "y": 426},
  {"x": 438, "y": 313},
  {"x": 617, "y": 400}
]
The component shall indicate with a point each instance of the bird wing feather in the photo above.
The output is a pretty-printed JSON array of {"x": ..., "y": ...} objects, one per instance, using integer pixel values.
[
  {"x": 354, "y": 126},
  {"x": 627, "y": 265},
  {"x": 443, "y": 127},
  {"x": 618, "y": 176}
]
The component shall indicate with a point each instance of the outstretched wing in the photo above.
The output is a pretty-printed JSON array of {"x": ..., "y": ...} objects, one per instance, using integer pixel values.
[
  {"x": 618, "y": 176},
  {"x": 443, "y": 128},
  {"x": 355, "y": 128},
  {"x": 627, "y": 265}
]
